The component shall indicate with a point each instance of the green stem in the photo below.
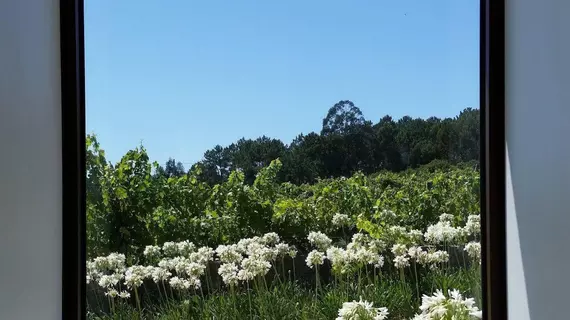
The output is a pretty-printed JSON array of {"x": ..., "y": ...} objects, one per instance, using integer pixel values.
[
  {"x": 138, "y": 301},
  {"x": 417, "y": 285}
]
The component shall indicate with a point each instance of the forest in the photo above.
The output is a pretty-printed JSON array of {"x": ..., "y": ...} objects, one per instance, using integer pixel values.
[{"x": 347, "y": 143}]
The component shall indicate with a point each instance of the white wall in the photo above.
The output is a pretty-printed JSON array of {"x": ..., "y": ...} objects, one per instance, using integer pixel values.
[
  {"x": 538, "y": 143},
  {"x": 30, "y": 160}
]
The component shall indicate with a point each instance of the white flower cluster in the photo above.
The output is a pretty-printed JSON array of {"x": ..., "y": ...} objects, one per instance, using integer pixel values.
[
  {"x": 229, "y": 253},
  {"x": 445, "y": 232},
  {"x": 319, "y": 240},
  {"x": 473, "y": 225},
  {"x": 315, "y": 258},
  {"x": 455, "y": 306},
  {"x": 403, "y": 256},
  {"x": 473, "y": 250},
  {"x": 135, "y": 275},
  {"x": 341, "y": 220},
  {"x": 361, "y": 310},
  {"x": 361, "y": 251}
]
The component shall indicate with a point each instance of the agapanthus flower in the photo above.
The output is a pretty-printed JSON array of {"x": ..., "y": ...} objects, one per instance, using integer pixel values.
[
  {"x": 185, "y": 248},
  {"x": 124, "y": 295},
  {"x": 455, "y": 306},
  {"x": 203, "y": 256},
  {"x": 229, "y": 253},
  {"x": 229, "y": 273},
  {"x": 292, "y": 252},
  {"x": 341, "y": 220},
  {"x": 401, "y": 262},
  {"x": 194, "y": 269},
  {"x": 473, "y": 250},
  {"x": 399, "y": 249},
  {"x": 379, "y": 263},
  {"x": 170, "y": 249},
  {"x": 270, "y": 239},
  {"x": 320, "y": 240},
  {"x": 415, "y": 236},
  {"x": 111, "y": 293},
  {"x": 282, "y": 249},
  {"x": 135, "y": 275},
  {"x": 315, "y": 258},
  {"x": 415, "y": 252},
  {"x": 159, "y": 274},
  {"x": 445, "y": 217},
  {"x": 152, "y": 252},
  {"x": 255, "y": 266},
  {"x": 110, "y": 280},
  {"x": 361, "y": 310},
  {"x": 473, "y": 225},
  {"x": 441, "y": 232}
]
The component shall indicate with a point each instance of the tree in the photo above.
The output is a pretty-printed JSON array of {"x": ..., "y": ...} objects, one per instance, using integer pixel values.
[
  {"x": 386, "y": 151},
  {"x": 341, "y": 118}
]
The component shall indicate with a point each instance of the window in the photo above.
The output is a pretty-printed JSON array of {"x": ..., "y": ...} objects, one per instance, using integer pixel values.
[{"x": 286, "y": 160}]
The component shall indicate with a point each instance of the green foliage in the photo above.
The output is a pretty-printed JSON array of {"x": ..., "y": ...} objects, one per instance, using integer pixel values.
[
  {"x": 128, "y": 207},
  {"x": 348, "y": 143}
]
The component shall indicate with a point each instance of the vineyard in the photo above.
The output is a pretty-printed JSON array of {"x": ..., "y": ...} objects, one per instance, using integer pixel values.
[{"x": 380, "y": 246}]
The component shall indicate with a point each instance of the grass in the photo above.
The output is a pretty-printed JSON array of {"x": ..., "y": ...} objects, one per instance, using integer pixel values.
[{"x": 282, "y": 300}]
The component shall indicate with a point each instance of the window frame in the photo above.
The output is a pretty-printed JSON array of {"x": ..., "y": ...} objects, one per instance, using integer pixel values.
[{"x": 493, "y": 158}]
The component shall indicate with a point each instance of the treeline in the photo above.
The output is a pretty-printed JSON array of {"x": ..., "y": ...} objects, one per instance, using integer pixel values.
[{"x": 347, "y": 143}]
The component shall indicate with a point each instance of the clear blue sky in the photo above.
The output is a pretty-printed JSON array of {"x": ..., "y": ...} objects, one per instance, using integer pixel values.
[{"x": 183, "y": 76}]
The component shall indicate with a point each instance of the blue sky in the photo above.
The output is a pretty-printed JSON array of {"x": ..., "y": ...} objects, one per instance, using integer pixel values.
[{"x": 183, "y": 76}]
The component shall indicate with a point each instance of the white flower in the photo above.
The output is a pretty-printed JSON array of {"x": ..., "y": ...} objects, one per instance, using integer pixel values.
[
  {"x": 160, "y": 274},
  {"x": 170, "y": 249},
  {"x": 315, "y": 258},
  {"x": 439, "y": 307},
  {"x": 379, "y": 263},
  {"x": 229, "y": 273},
  {"x": 473, "y": 250},
  {"x": 365, "y": 256},
  {"x": 399, "y": 249},
  {"x": 203, "y": 256},
  {"x": 319, "y": 240},
  {"x": 341, "y": 220},
  {"x": 124, "y": 295},
  {"x": 184, "y": 284},
  {"x": 270, "y": 239},
  {"x": 401, "y": 262},
  {"x": 282, "y": 249},
  {"x": 229, "y": 254},
  {"x": 111, "y": 280},
  {"x": 194, "y": 269},
  {"x": 340, "y": 259},
  {"x": 111, "y": 293},
  {"x": 438, "y": 257},
  {"x": 376, "y": 245},
  {"x": 473, "y": 225},
  {"x": 292, "y": 252},
  {"x": 243, "y": 244},
  {"x": 152, "y": 252},
  {"x": 361, "y": 310},
  {"x": 397, "y": 231},
  {"x": 135, "y": 275},
  {"x": 415, "y": 236},
  {"x": 185, "y": 248},
  {"x": 442, "y": 232},
  {"x": 415, "y": 252},
  {"x": 446, "y": 217},
  {"x": 254, "y": 267}
]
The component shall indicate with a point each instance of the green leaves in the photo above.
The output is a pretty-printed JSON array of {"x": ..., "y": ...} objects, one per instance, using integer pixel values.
[{"x": 129, "y": 207}]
